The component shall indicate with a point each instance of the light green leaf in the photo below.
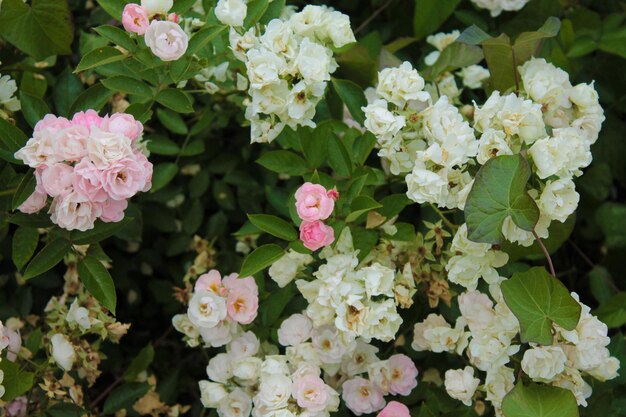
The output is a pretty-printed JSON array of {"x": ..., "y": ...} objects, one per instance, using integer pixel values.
[
  {"x": 201, "y": 38},
  {"x": 128, "y": 85},
  {"x": 124, "y": 396},
  {"x": 25, "y": 242},
  {"x": 613, "y": 311},
  {"x": 41, "y": 29},
  {"x": 47, "y": 258},
  {"x": 140, "y": 363},
  {"x": 361, "y": 204},
  {"x": 100, "y": 231},
  {"x": 175, "y": 99},
  {"x": 539, "y": 401},
  {"x": 353, "y": 97},
  {"x": 614, "y": 42},
  {"x": 98, "y": 281},
  {"x": 181, "y": 6},
  {"x": 260, "y": 258},
  {"x": 16, "y": 381},
  {"x": 582, "y": 46},
  {"x": 98, "y": 57},
  {"x": 429, "y": 15},
  {"x": 499, "y": 191},
  {"x": 538, "y": 299},
  {"x": 273, "y": 225},
  {"x": 256, "y": 9},
  {"x": 33, "y": 108},
  {"x": 283, "y": 162},
  {"x": 162, "y": 175},
  {"x": 499, "y": 56}
]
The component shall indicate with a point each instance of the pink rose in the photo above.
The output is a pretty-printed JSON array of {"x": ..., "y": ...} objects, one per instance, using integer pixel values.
[
  {"x": 57, "y": 179},
  {"x": 361, "y": 396},
  {"x": 313, "y": 202},
  {"x": 12, "y": 340},
  {"x": 135, "y": 19},
  {"x": 113, "y": 210},
  {"x": 310, "y": 392},
  {"x": 316, "y": 234},
  {"x": 88, "y": 181},
  {"x": 123, "y": 123},
  {"x": 70, "y": 144},
  {"x": 17, "y": 407},
  {"x": 124, "y": 178},
  {"x": 402, "y": 375},
  {"x": 147, "y": 170},
  {"x": 74, "y": 212},
  {"x": 173, "y": 17},
  {"x": 210, "y": 282},
  {"x": 166, "y": 40},
  {"x": 52, "y": 122},
  {"x": 87, "y": 118},
  {"x": 242, "y": 305},
  {"x": 395, "y": 409},
  {"x": 35, "y": 202}
]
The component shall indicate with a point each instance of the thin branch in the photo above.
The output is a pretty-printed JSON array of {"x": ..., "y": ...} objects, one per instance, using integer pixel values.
[
  {"x": 443, "y": 217},
  {"x": 373, "y": 16},
  {"x": 106, "y": 392},
  {"x": 545, "y": 252},
  {"x": 590, "y": 263}
]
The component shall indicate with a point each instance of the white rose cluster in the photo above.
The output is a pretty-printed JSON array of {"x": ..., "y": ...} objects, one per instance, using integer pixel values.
[{"x": 288, "y": 67}]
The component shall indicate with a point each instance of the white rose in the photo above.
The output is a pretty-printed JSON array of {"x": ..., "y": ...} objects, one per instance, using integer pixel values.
[
  {"x": 477, "y": 310},
  {"x": 241, "y": 44},
  {"x": 106, "y": 148},
  {"x": 157, "y": 6},
  {"x": 572, "y": 380},
  {"x": 219, "y": 368},
  {"x": 382, "y": 123},
  {"x": 401, "y": 85},
  {"x": 219, "y": 335},
  {"x": 246, "y": 345},
  {"x": 441, "y": 40},
  {"x": 461, "y": 384},
  {"x": 237, "y": 404},
  {"x": 206, "y": 309},
  {"x": 491, "y": 350},
  {"x": 337, "y": 26},
  {"x": 78, "y": 315},
  {"x": 304, "y": 353},
  {"x": 284, "y": 270},
  {"x": 211, "y": 393},
  {"x": 62, "y": 352},
  {"x": 559, "y": 199},
  {"x": 295, "y": 330},
  {"x": 263, "y": 67},
  {"x": 546, "y": 83},
  {"x": 608, "y": 370},
  {"x": 564, "y": 154},
  {"x": 183, "y": 325},
  {"x": 247, "y": 369},
  {"x": 166, "y": 40},
  {"x": 584, "y": 96},
  {"x": 231, "y": 12},
  {"x": 382, "y": 321},
  {"x": 378, "y": 279},
  {"x": 492, "y": 143},
  {"x": 425, "y": 186},
  {"x": 275, "y": 364},
  {"x": 498, "y": 383},
  {"x": 473, "y": 76},
  {"x": 314, "y": 61},
  {"x": 543, "y": 363},
  {"x": 274, "y": 392}
]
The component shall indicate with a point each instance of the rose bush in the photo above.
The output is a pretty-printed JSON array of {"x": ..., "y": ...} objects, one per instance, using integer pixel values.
[{"x": 270, "y": 208}]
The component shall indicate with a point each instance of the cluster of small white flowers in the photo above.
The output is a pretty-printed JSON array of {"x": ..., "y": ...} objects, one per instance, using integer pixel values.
[
  {"x": 496, "y": 7},
  {"x": 288, "y": 67},
  {"x": 8, "y": 101}
]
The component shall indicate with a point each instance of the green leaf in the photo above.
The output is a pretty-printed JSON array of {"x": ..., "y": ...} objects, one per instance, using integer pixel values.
[
  {"x": 528, "y": 44},
  {"x": 582, "y": 46},
  {"x": 260, "y": 258},
  {"x": 117, "y": 36},
  {"x": 361, "y": 204},
  {"x": 614, "y": 42},
  {"x": 66, "y": 89},
  {"x": 161, "y": 145},
  {"x": 99, "y": 57},
  {"x": 430, "y": 14},
  {"x": 175, "y": 99},
  {"x": 128, "y": 85},
  {"x": 539, "y": 401},
  {"x": 25, "y": 242},
  {"x": 114, "y": 7},
  {"x": 353, "y": 97},
  {"x": 163, "y": 174},
  {"x": 100, "y": 231},
  {"x": 41, "y": 29},
  {"x": 98, "y": 281},
  {"x": 283, "y": 162},
  {"x": 613, "y": 311},
  {"x": 25, "y": 188},
  {"x": 182, "y": 6},
  {"x": 499, "y": 56},
  {"x": 601, "y": 284},
  {"x": 172, "y": 121},
  {"x": 499, "y": 191},
  {"x": 454, "y": 56},
  {"x": 47, "y": 258},
  {"x": 95, "y": 97},
  {"x": 272, "y": 308},
  {"x": 12, "y": 139},
  {"x": 16, "y": 381},
  {"x": 33, "y": 108},
  {"x": 256, "y": 9},
  {"x": 273, "y": 225},
  {"x": 339, "y": 157},
  {"x": 315, "y": 145},
  {"x": 201, "y": 38},
  {"x": 124, "y": 396},
  {"x": 140, "y": 363},
  {"x": 538, "y": 299},
  {"x": 611, "y": 217},
  {"x": 65, "y": 410}
]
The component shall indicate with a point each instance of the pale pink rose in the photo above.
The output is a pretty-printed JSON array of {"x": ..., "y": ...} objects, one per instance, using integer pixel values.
[
  {"x": 12, "y": 340},
  {"x": 295, "y": 330},
  {"x": 105, "y": 148},
  {"x": 242, "y": 304},
  {"x": 70, "y": 144},
  {"x": 52, "y": 122},
  {"x": 88, "y": 181},
  {"x": 147, "y": 170},
  {"x": 477, "y": 310},
  {"x": 310, "y": 392},
  {"x": 35, "y": 202},
  {"x": 87, "y": 118},
  {"x": 362, "y": 396},
  {"x": 74, "y": 212},
  {"x": 123, "y": 179},
  {"x": 39, "y": 149},
  {"x": 316, "y": 234},
  {"x": 17, "y": 407},
  {"x": 113, "y": 210},
  {"x": 57, "y": 179},
  {"x": 395, "y": 409},
  {"x": 402, "y": 375},
  {"x": 233, "y": 281},
  {"x": 166, "y": 40},
  {"x": 135, "y": 19},
  {"x": 173, "y": 17},
  {"x": 313, "y": 202},
  {"x": 210, "y": 282},
  {"x": 123, "y": 123}
]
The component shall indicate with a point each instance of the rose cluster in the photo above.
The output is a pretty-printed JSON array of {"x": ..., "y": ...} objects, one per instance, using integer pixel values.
[
  {"x": 217, "y": 308},
  {"x": 314, "y": 204},
  {"x": 90, "y": 166},
  {"x": 161, "y": 31},
  {"x": 288, "y": 67}
]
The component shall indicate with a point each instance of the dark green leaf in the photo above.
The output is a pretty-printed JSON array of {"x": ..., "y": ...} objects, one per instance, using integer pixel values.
[
  {"x": 124, "y": 396},
  {"x": 25, "y": 242},
  {"x": 429, "y": 15},
  {"x": 162, "y": 175},
  {"x": 117, "y": 36},
  {"x": 611, "y": 217},
  {"x": 99, "y": 56},
  {"x": 66, "y": 89},
  {"x": 100, "y": 231},
  {"x": 128, "y": 85},
  {"x": 360, "y": 205},
  {"x": 140, "y": 363},
  {"x": 161, "y": 145},
  {"x": 273, "y": 307},
  {"x": 283, "y": 162},
  {"x": 47, "y": 258},
  {"x": 172, "y": 121},
  {"x": 12, "y": 140},
  {"x": 98, "y": 281},
  {"x": 95, "y": 97},
  {"x": 33, "y": 108},
  {"x": 202, "y": 38},
  {"x": 352, "y": 96},
  {"x": 454, "y": 56},
  {"x": 273, "y": 225},
  {"x": 613, "y": 311},
  {"x": 175, "y": 99},
  {"x": 24, "y": 189}
]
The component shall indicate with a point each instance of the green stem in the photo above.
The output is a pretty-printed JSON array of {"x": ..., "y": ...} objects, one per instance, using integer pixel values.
[{"x": 443, "y": 217}]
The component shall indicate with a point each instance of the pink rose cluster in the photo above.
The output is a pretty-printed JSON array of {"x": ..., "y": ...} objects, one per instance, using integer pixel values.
[
  {"x": 90, "y": 166},
  {"x": 161, "y": 31},
  {"x": 314, "y": 204}
]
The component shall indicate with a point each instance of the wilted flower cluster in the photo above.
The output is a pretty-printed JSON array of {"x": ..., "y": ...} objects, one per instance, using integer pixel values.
[
  {"x": 288, "y": 67},
  {"x": 90, "y": 166}
]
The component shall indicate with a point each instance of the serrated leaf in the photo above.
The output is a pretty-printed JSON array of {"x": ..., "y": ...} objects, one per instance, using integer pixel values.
[
  {"x": 283, "y": 162},
  {"x": 538, "y": 299},
  {"x": 499, "y": 191},
  {"x": 98, "y": 281},
  {"x": 127, "y": 85},
  {"x": 99, "y": 57},
  {"x": 47, "y": 258},
  {"x": 25, "y": 242},
  {"x": 539, "y": 401},
  {"x": 261, "y": 258},
  {"x": 273, "y": 225},
  {"x": 175, "y": 99},
  {"x": 99, "y": 232}
]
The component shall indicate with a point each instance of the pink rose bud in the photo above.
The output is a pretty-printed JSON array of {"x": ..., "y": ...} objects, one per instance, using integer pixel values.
[
  {"x": 395, "y": 409},
  {"x": 316, "y": 234},
  {"x": 124, "y": 124},
  {"x": 135, "y": 19},
  {"x": 173, "y": 17},
  {"x": 313, "y": 202},
  {"x": 334, "y": 194},
  {"x": 87, "y": 118}
]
